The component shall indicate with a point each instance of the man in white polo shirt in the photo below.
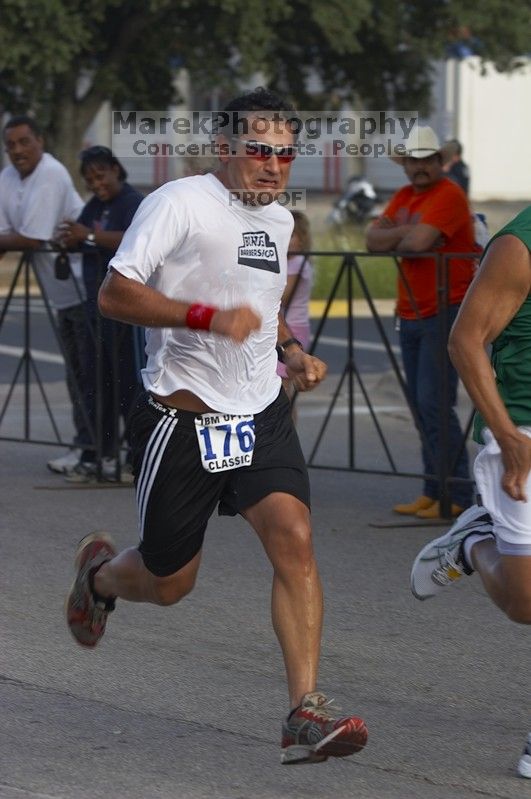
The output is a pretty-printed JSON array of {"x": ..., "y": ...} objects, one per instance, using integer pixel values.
[
  {"x": 36, "y": 195},
  {"x": 203, "y": 267}
]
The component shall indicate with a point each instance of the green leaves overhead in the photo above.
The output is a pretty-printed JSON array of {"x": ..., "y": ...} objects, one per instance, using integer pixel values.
[
  {"x": 337, "y": 21},
  {"x": 60, "y": 53}
]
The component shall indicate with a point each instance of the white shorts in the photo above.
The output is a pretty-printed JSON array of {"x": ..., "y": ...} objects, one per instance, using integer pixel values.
[{"x": 512, "y": 519}]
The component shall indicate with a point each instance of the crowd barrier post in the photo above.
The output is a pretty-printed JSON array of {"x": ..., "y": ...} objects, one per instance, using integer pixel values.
[{"x": 445, "y": 499}]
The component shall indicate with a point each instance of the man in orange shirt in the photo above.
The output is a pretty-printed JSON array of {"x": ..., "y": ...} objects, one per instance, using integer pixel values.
[{"x": 429, "y": 214}]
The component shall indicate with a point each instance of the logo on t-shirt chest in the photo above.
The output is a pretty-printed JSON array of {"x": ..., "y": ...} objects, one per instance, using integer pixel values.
[{"x": 258, "y": 251}]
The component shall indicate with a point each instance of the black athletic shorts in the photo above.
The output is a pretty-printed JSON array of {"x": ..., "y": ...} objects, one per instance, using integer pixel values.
[{"x": 176, "y": 496}]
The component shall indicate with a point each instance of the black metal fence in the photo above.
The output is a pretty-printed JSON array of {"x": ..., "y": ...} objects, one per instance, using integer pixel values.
[
  {"x": 26, "y": 287},
  {"x": 350, "y": 275}
]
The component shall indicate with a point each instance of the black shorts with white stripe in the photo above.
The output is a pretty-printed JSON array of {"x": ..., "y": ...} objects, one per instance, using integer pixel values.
[{"x": 176, "y": 496}]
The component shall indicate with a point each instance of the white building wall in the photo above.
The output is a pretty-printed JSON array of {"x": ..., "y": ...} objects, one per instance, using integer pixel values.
[
  {"x": 491, "y": 116},
  {"x": 493, "y": 120}
]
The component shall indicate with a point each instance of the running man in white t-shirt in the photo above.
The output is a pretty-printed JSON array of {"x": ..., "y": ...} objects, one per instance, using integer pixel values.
[{"x": 203, "y": 267}]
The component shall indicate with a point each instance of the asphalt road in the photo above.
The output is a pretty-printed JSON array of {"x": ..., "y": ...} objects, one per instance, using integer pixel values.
[{"x": 186, "y": 702}]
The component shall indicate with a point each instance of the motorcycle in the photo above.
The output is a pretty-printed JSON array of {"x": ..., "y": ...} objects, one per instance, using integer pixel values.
[{"x": 357, "y": 203}]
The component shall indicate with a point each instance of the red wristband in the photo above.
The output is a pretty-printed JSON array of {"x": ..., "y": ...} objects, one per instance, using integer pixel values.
[{"x": 199, "y": 317}]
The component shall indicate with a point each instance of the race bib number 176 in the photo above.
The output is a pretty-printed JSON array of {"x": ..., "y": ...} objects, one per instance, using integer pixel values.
[{"x": 226, "y": 441}]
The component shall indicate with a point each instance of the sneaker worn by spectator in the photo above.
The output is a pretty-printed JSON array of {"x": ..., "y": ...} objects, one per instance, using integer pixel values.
[
  {"x": 426, "y": 508},
  {"x": 87, "y": 472},
  {"x": 311, "y": 733},
  {"x": 86, "y": 611},
  {"x": 109, "y": 471},
  {"x": 65, "y": 463},
  {"x": 411, "y": 508},
  {"x": 434, "y": 511},
  {"x": 524, "y": 764},
  {"x": 442, "y": 561},
  {"x": 83, "y": 472}
]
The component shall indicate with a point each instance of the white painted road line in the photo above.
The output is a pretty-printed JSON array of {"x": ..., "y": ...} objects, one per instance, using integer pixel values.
[
  {"x": 359, "y": 410},
  {"x": 38, "y": 355},
  {"x": 51, "y": 357},
  {"x": 17, "y": 306},
  {"x": 361, "y": 344}
]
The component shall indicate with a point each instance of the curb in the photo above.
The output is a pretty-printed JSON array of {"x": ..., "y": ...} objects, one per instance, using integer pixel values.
[{"x": 360, "y": 308}]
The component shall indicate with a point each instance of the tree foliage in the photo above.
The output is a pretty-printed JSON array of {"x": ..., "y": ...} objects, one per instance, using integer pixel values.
[
  {"x": 385, "y": 54},
  {"x": 62, "y": 58}
]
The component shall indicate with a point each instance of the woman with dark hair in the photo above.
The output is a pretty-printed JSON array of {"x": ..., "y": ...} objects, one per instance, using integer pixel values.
[{"x": 98, "y": 232}]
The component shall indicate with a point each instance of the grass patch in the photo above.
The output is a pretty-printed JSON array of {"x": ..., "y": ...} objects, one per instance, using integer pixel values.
[{"x": 378, "y": 271}]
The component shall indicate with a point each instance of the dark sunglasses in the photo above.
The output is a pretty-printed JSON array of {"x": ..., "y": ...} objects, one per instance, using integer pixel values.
[{"x": 262, "y": 151}]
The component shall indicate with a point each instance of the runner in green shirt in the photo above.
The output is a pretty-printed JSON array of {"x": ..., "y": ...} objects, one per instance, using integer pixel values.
[{"x": 493, "y": 537}]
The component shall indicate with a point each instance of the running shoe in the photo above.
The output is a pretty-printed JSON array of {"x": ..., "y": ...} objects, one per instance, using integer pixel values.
[
  {"x": 524, "y": 764},
  {"x": 442, "y": 561},
  {"x": 83, "y": 472},
  {"x": 86, "y": 613},
  {"x": 434, "y": 511},
  {"x": 312, "y": 733},
  {"x": 87, "y": 472},
  {"x": 65, "y": 463},
  {"x": 109, "y": 472},
  {"x": 412, "y": 508}
]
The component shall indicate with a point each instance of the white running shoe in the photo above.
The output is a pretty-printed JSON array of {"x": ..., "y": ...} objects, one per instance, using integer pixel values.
[
  {"x": 524, "y": 764},
  {"x": 87, "y": 472},
  {"x": 65, "y": 463},
  {"x": 83, "y": 472},
  {"x": 442, "y": 562},
  {"x": 108, "y": 469}
]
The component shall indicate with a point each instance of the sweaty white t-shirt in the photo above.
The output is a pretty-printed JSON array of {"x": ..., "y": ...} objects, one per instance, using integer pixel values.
[
  {"x": 193, "y": 242},
  {"x": 34, "y": 206}
]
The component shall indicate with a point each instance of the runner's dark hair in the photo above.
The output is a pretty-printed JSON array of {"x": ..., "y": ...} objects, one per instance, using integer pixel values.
[{"x": 259, "y": 99}]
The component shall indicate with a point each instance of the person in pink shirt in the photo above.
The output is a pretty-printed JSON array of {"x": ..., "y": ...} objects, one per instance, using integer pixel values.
[{"x": 296, "y": 297}]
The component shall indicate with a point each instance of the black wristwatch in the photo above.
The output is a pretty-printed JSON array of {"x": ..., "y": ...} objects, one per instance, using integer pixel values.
[{"x": 282, "y": 347}]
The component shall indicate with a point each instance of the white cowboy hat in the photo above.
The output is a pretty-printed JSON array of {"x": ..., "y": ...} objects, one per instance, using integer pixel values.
[{"x": 423, "y": 142}]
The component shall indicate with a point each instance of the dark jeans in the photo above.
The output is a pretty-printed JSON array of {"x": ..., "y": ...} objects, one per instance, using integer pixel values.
[
  {"x": 73, "y": 332},
  {"x": 420, "y": 341},
  {"x": 119, "y": 378}
]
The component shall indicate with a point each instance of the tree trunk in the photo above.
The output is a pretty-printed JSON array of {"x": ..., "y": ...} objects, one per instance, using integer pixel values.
[{"x": 71, "y": 119}]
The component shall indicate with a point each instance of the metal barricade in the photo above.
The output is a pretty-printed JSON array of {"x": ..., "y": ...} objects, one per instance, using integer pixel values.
[
  {"x": 27, "y": 287},
  {"x": 350, "y": 274}
]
